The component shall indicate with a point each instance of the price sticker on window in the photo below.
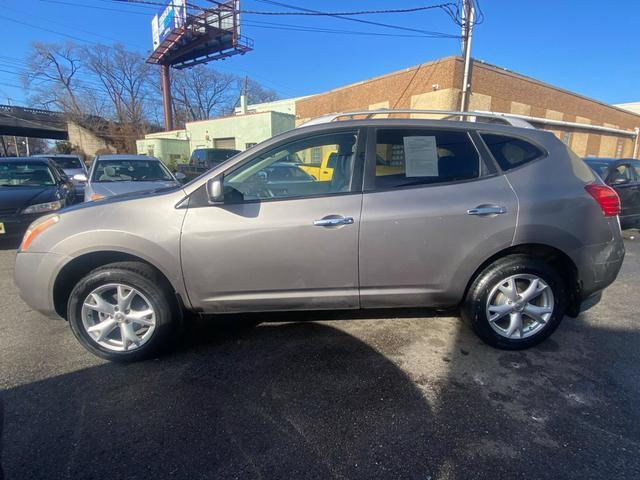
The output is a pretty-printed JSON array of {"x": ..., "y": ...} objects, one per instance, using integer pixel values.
[{"x": 421, "y": 156}]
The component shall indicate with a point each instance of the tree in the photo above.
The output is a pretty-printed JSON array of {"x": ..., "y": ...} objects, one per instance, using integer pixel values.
[
  {"x": 125, "y": 78},
  {"x": 53, "y": 76},
  {"x": 201, "y": 92},
  {"x": 257, "y": 93}
]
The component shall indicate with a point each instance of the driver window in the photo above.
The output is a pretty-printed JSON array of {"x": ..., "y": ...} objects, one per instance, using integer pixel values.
[
  {"x": 297, "y": 169},
  {"x": 622, "y": 173}
]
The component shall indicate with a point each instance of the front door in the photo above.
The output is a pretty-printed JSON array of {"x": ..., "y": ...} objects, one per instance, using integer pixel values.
[
  {"x": 282, "y": 239},
  {"x": 433, "y": 210}
]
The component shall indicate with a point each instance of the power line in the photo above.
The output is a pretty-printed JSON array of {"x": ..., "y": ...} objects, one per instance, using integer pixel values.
[
  {"x": 302, "y": 28},
  {"x": 74, "y": 27},
  {"x": 359, "y": 20},
  {"x": 48, "y": 30},
  {"x": 95, "y": 7}
]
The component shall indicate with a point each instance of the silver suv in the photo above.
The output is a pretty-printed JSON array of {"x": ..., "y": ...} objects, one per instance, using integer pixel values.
[{"x": 505, "y": 222}]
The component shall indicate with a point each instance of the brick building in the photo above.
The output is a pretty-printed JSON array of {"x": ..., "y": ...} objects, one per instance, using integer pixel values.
[{"x": 606, "y": 131}]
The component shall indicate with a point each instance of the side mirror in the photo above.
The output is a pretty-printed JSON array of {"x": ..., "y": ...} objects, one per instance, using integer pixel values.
[
  {"x": 80, "y": 177},
  {"x": 215, "y": 190},
  {"x": 180, "y": 176},
  {"x": 620, "y": 181}
]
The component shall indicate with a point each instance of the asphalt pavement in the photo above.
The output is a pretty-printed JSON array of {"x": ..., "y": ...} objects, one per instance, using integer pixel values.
[{"x": 382, "y": 394}]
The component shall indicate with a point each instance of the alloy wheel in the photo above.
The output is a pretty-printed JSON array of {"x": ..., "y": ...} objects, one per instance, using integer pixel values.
[
  {"x": 118, "y": 317},
  {"x": 520, "y": 306}
]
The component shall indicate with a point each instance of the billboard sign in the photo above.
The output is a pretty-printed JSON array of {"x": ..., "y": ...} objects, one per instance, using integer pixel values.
[{"x": 169, "y": 18}]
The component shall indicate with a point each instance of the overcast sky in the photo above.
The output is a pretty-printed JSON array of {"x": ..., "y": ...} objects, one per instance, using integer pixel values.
[{"x": 587, "y": 46}]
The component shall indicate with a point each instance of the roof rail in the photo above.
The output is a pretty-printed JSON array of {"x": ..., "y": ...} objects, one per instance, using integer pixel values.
[{"x": 488, "y": 117}]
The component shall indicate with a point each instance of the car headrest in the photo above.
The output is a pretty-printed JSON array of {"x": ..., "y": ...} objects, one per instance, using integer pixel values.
[
  {"x": 345, "y": 149},
  {"x": 110, "y": 171}
]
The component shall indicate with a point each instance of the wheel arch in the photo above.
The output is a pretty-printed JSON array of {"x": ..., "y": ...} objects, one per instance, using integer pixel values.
[
  {"x": 69, "y": 275},
  {"x": 564, "y": 265}
]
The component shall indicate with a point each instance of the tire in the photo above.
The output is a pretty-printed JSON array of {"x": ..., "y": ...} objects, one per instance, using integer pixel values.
[
  {"x": 146, "y": 291},
  {"x": 494, "y": 281}
]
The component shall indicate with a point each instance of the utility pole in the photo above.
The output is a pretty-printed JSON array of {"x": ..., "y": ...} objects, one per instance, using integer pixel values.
[
  {"x": 468, "y": 17},
  {"x": 26, "y": 143},
  {"x": 165, "y": 83}
]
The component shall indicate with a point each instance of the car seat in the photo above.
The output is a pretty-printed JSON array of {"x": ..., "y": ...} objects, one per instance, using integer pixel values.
[
  {"x": 109, "y": 173},
  {"x": 341, "y": 179}
]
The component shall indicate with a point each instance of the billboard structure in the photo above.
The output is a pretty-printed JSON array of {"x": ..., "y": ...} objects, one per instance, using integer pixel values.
[{"x": 182, "y": 40}]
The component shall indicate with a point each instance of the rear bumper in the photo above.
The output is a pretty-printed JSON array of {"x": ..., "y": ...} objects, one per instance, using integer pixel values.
[
  {"x": 590, "y": 302},
  {"x": 598, "y": 266}
]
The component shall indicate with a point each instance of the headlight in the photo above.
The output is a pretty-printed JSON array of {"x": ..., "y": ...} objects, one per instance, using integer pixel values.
[
  {"x": 36, "y": 228},
  {"x": 43, "y": 207}
]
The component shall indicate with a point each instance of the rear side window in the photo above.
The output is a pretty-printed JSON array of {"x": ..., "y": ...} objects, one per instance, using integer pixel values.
[
  {"x": 414, "y": 157},
  {"x": 511, "y": 152}
]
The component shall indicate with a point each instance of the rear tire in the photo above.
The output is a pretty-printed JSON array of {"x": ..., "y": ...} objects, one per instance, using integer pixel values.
[
  {"x": 516, "y": 302},
  {"x": 124, "y": 312}
]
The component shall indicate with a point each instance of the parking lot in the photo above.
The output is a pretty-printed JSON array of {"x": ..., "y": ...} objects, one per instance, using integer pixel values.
[{"x": 344, "y": 396}]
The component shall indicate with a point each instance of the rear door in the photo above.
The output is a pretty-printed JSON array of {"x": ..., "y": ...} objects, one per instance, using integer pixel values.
[{"x": 434, "y": 208}]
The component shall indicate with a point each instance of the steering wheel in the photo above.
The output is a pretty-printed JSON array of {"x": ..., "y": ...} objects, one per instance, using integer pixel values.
[{"x": 258, "y": 185}]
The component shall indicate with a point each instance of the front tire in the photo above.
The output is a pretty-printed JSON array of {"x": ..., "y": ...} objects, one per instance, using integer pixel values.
[
  {"x": 123, "y": 312},
  {"x": 516, "y": 302}
]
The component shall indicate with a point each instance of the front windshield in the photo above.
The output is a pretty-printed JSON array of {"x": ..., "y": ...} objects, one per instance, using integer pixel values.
[
  {"x": 130, "y": 170},
  {"x": 27, "y": 174},
  {"x": 68, "y": 162}
]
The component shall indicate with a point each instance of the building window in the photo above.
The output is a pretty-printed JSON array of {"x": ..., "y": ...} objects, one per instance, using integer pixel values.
[
  {"x": 248, "y": 145},
  {"x": 316, "y": 156}
]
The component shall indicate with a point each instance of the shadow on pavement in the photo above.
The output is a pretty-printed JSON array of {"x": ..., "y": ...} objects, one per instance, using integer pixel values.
[
  {"x": 307, "y": 400},
  {"x": 298, "y": 400}
]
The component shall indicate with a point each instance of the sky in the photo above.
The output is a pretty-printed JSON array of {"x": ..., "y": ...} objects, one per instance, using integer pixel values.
[{"x": 586, "y": 46}]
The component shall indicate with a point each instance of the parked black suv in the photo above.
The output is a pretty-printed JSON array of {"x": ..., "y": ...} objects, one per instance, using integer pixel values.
[{"x": 203, "y": 159}]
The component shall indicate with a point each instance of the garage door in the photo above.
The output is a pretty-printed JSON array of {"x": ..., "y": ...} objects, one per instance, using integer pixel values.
[{"x": 224, "y": 142}]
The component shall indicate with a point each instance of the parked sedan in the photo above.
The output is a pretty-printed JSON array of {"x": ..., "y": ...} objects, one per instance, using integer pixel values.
[
  {"x": 29, "y": 188},
  {"x": 116, "y": 174},
  {"x": 71, "y": 165},
  {"x": 623, "y": 175}
]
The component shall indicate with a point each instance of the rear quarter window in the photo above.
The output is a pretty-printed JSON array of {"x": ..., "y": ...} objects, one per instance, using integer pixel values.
[{"x": 511, "y": 152}]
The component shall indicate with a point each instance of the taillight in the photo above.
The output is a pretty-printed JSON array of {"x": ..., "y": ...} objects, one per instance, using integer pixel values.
[{"x": 606, "y": 197}]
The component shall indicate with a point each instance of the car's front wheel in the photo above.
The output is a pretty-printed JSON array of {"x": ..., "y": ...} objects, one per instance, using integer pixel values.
[
  {"x": 123, "y": 311},
  {"x": 516, "y": 302}
]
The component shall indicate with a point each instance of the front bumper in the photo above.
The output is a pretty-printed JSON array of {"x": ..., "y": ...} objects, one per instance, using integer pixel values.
[{"x": 34, "y": 276}]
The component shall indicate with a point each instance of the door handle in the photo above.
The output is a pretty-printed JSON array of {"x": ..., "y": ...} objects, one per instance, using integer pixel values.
[
  {"x": 333, "y": 221},
  {"x": 487, "y": 210}
]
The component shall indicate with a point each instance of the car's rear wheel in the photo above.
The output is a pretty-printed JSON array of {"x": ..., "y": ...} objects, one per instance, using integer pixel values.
[
  {"x": 516, "y": 302},
  {"x": 123, "y": 311}
]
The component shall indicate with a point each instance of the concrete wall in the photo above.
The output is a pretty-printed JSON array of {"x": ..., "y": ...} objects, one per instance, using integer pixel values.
[
  {"x": 87, "y": 142},
  {"x": 436, "y": 85}
]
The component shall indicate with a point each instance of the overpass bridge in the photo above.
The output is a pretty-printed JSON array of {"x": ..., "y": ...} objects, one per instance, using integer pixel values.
[{"x": 32, "y": 122}]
